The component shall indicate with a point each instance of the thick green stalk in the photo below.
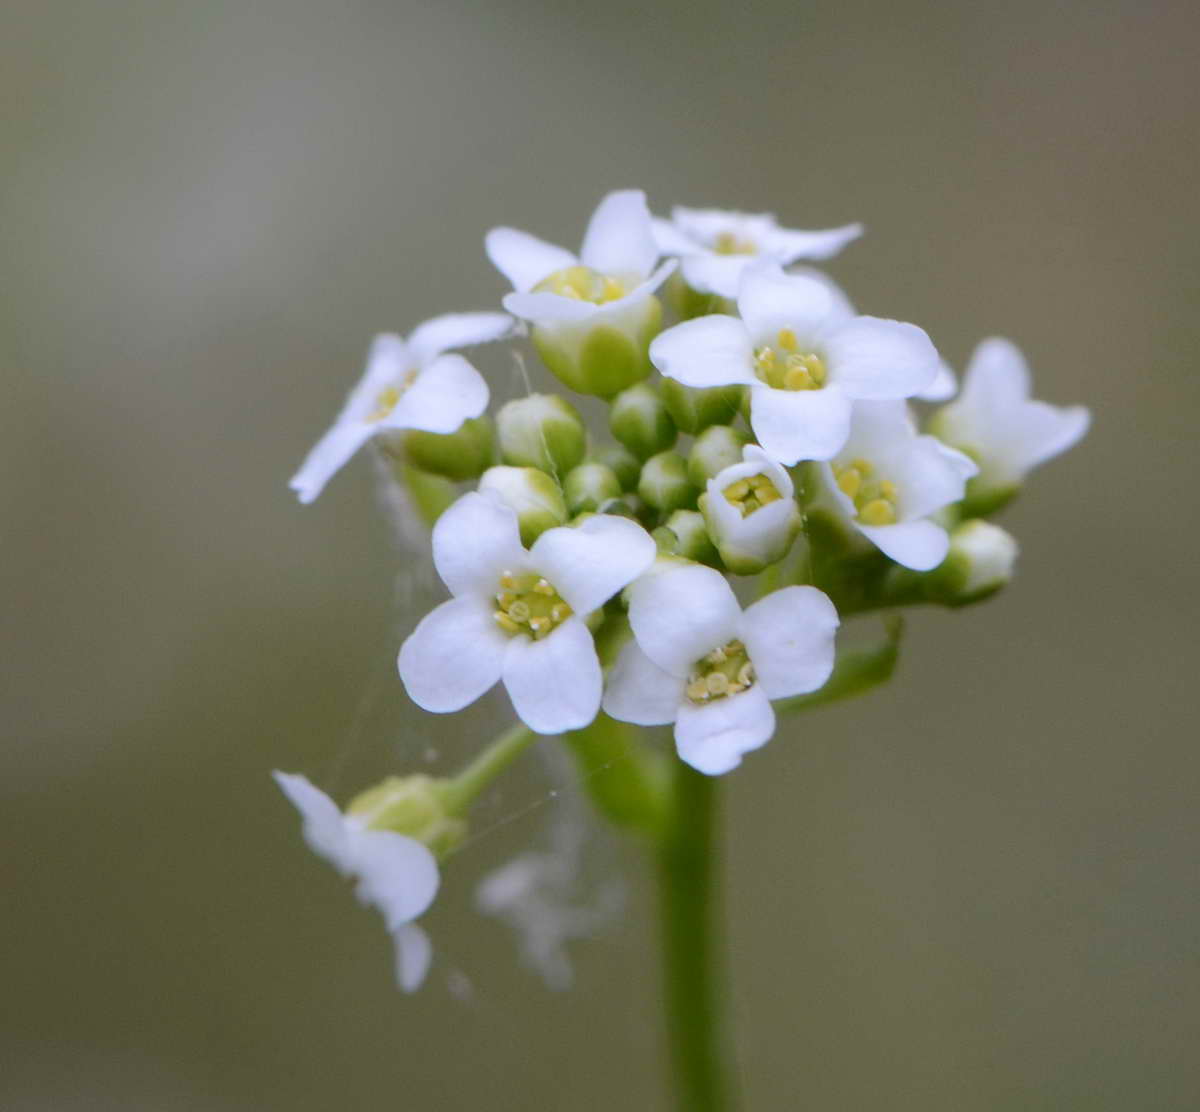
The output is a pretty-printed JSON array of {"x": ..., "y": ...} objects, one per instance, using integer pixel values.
[
  {"x": 460, "y": 792},
  {"x": 692, "y": 955}
]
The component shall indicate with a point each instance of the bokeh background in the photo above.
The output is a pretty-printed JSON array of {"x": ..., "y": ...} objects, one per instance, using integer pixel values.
[{"x": 974, "y": 890}]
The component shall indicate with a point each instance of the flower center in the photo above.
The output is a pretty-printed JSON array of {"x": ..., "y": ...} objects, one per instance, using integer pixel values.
[
  {"x": 729, "y": 243},
  {"x": 784, "y": 366},
  {"x": 751, "y": 493},
  {"x": 724, "y": 671},
  {"x": 387, "y": 398},
  {"x": 529, "y": 604},
  {"x": 874, "y": 499},
  {"x": 583, "y": 284}
]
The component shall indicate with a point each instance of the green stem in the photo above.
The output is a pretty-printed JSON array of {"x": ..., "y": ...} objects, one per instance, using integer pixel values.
[
  {"x": 693, "y": 963},
  {"x": 461, "y": 792}
]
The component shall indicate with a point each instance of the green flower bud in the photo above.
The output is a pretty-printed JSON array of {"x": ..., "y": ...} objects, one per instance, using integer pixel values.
[
  {"x": 623, "y": 464},
  {"x": 640, "y": 421},
  {"x": 691, "y": 537},
  {"x": 533, "y": 494},
  {"x": 715, "y": 449},
  {"x": 543, "y": 431},
  {"x": 589, "y": 486},
  {"x": 688, "y": 302},
  {"x": 459, "y": 455},
  {"x": 414, "y": 806},
  {"x": 695, "y": 410},
  {"x": 979, "y": 563},
  {"x": 664, "y": 483},
  {"x": 602, "y": 357}
]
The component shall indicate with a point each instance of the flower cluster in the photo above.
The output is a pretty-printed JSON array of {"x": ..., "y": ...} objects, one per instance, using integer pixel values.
[{"x": 765, "y": 447}]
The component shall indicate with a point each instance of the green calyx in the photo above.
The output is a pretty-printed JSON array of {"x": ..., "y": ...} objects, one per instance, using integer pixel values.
[
  {"x": 416, "y": 806},
  {"x": 543, "y": 431},
  {"x": 640, "y": 421}
]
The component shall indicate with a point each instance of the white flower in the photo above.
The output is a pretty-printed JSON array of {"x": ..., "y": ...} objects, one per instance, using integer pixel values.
[
  {"x": 942, "y": 387},
  {"x": 701, "y": 662},
  {"x": 750, "y": 512},
  {"x": 396, "y": 874},
  {"x": 887, "y": 481},
  {"x": 518, "y": 615},
  {"x": 804, "y": 360},
  {"x": 715, "y": 246},
  {"x": 411, "y": 384},
  {"x": 994, "y": 420},
  {"x": 613, "y": 272}
]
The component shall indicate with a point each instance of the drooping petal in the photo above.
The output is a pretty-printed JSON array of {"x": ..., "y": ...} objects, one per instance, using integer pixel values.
[
  {"x": 330, "y": 454},
  {"x": 414, "y": 953},
  {"x": 447, "y": 392},
  {"x": 456, "y": 330},
  {"x": 707, "y": 351},
  {"x": 769, "y": 301},
  {"x": 396, "y": 874},
  {"x": 637, "y": 690},
  {"x": 474, "y": 542},
  {"x": 454, "y": 655},
  {"x": 324, "y": 825},
  {"x": 712, "y": 737},
  {"x": 794, "y": 425},
  {"x": 619, "y": 238},
  {"x": 524, "y": 259},
  {"x": 554, "y": 683},
  {"x": 591, "y": 562},
  {"x": 874, "y": 358},
  {"x": 679, "y": 615},
  {"x": 789, "y": 637},
  {"x": 786, "y": 245},
  {"x": 920, "y": 545}
]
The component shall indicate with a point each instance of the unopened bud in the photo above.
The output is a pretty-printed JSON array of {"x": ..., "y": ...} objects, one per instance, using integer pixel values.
[
  {"x": 640, "y": 421},
  {"x": 414, "y": 806},
  {"x": 589, "y": 486},
  {"x": 690, "y": 537},
  {"x": 625, "y": 465},
  {"x": 463, "y": 454},
  {"x": 602, "y": 357},
  {"x": 715, "y": 449},
  {"x": 695, "y": 410},
  {"x": 979, "y": 563},
  {"x": 664, "y": 483},
  {"x": 543, "y": 431},
  {"x": 532, "y": 494}
]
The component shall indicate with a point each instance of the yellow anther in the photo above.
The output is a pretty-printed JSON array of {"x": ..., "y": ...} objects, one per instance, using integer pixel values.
[
  {"x": 542, "y": 587},
  {"x": 612, "y": 290},
  {"x": 735, "y": 492},
  {"x": 723, "y": 671},
  {"x": 798, "y": 378},
  {"x": 505, "y": 622},
  {"x": 787, "y": 340},
  {"x": 506, "y": 599},
  {"x": 729, "y": 243},
  {"x": 850, "y": 482},
  {"x": 540, "y": 625},
  {"x": 717, "y": 656},
  {"x": 529, "y": 604},
  {"x": 745, "y": 676},
  {"x": 697, "y": 691},
  {"x": 384, "y": 403},
  {"x": 862, "y": 466},
  {"x": 878, "y": 512},
  {"x": 887, "y": 489},
  {"x": 508, "y": 581},
  {"x": 766, "y": 495},
  {"x": 560, "y": 612}
]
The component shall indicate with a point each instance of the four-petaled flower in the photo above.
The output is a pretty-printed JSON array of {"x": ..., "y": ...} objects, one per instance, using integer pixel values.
[
  {"x": 887, "y": 482},
  {"x": 805, "y": 361},
  {"x": 698, "y": 660},
  {"x": 518, "y": 615},
  {"x": 396, "y": 874},
  {"x": 714, "y": 246},
  {"x": 413, "y": 384},
  {"x": 996, "y": 422}
]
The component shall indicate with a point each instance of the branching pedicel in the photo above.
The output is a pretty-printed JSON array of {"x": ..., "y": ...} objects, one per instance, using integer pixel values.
[{"x": 600, "y": 583}]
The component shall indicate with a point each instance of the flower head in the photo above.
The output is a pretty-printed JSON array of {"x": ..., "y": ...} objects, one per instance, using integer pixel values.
[
  {"x": 518, "y": 614},
  {"x": 995, "y": 421},
  {"x": 806, "y": 362},
  {"x": 887, "y": 481},
  {"x": 698, "y": 660},
  {"x": 396, "y": 874},
  {"x": 408, "y": 384},
  {"x": 715, "y": 246}
]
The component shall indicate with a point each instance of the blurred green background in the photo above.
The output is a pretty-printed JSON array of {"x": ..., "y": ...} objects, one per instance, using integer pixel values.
[{"x": 974, "y": 890}]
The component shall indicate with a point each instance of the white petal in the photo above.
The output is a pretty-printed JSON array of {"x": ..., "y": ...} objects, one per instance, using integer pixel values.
[
  {"x": 997, "y": 375},
  {"x": 789, "y": 637},
  {"x": 324, "y": 825},
  {"x": 679, "y": 615},
  {"x": 943, "y": 386},
  {"x": 712, "y": 737},
  {"x": 328, "y": 457},
  {"x": 671, "y": 240},
  {"x": 1049, "y": 431},
  {"x": 707, "y": 351},
  {"x": 474, "y": 542},
  {"x": 787, "y": 245},
  {"x": 456, "y": 330},
  {"x": 769, "y": 300},
  {"x": 619, "y": 237},
  {"x": 454, "y": 655},
  {"x": 444, "y": 394},
  {"x": 717, "y": 274},
  {"x": 930, "y": 476},
  {"x": 549, "y": 308},
  {"x": 396, "y": 874},
  {"x": 639, "y": 292},
  {"x": 554, "y": 683},
  {"x": 524, "y": 259},
  {"x": 873, "y": 358},
  {"x": 639, "y": 691},
  {"x": 792, "y": 425},
  {"x": 414, "y": 952},
  {"x": 843, "y": 307},
  {"x": 590, "y": 562},
  {"x": 920, "y": 545},
  {"x": 707, "y": 225}
]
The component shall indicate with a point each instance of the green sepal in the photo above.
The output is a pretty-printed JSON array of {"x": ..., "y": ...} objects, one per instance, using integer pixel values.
[
  {"x": 463, "y": 454},
  {"x": 854, "y": 671}
]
